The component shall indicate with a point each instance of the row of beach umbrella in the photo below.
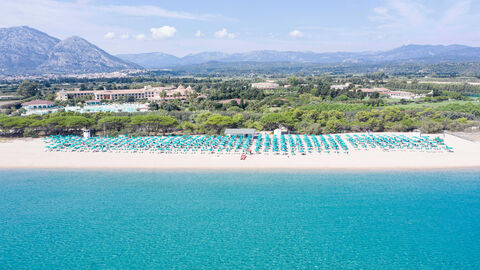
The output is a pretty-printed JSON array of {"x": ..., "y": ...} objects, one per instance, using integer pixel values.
[{"x": 261, "y": 144}]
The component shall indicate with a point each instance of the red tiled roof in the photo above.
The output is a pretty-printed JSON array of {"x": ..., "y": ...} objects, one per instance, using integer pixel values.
[{"x": 38, "y": 102}]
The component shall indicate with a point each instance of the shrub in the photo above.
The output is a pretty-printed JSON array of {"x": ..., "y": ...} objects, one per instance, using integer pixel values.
[{"x": 431, "y": 127}]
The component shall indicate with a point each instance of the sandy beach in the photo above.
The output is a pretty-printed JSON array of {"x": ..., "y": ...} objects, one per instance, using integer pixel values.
[{"x": 30, "y": 153}]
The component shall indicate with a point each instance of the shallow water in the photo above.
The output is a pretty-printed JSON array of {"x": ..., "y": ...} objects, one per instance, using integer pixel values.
[{"x": 239, "y": 220}]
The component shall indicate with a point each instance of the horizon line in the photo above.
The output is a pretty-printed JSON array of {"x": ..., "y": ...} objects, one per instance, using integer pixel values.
[{"x": 298, "y": 51}]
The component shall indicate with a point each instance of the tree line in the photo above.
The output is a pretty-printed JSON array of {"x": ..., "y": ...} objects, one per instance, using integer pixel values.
[{"x": 306, "y": 120}]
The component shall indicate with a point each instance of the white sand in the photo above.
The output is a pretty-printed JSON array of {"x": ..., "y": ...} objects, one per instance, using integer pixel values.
[{"x": 30, "y": 153}]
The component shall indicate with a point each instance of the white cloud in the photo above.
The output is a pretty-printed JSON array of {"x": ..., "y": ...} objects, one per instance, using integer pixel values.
[
  {"x": 381, "y": 11},
  {"x": 401, "y": 14},
  {"x": 163, "y": 32},
  {"x": 412, "y": 12},
  {"x": 223, "y": 33},
  {"x": 444, "y": 22},
  {"x": 456, "y": 11},
  {"x": 199, "y": 33},
  {"x": 272, "y": 35},
  {"x": 124, "y": 36},
  {"x": 154, "y": 11},
  {"x": 296, "y": 34},
  {"x": 109, "y": 35},
  {"x": 140, "y": 37}
]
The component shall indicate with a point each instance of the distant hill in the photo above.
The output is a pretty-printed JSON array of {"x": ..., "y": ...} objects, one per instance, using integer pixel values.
[
  {"x": 204, "y": 57},
  {"x": 425, "y": 54},
  {"x": 151, "y": 60},
  {"x": 24, "y": 50},
  {"x": 413, "y": 52},
  {"x": 443, "y": 69},
  {"x": 75, "y": 54}
]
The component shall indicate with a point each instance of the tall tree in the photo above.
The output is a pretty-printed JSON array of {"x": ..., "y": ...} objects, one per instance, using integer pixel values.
[{"x": 28, "y": 89}]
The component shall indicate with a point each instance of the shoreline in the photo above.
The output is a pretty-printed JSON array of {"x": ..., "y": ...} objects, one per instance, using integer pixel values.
[
  {"x": 246, "y": 170},
  {"x": 30, "y": 154}
]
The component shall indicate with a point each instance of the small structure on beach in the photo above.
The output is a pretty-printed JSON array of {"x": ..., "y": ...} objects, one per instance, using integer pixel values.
[
  {"x": 280, "y": 130},
  {"x": 240, "y": 132},
  {"x": 86, "y": 133}
]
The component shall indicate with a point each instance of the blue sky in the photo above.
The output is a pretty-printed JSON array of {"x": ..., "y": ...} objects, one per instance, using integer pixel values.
[{"x": 181, "y": 27}]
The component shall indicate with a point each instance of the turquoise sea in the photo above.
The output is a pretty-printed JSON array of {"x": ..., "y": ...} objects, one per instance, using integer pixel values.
[{"x": 239, "y": 220}]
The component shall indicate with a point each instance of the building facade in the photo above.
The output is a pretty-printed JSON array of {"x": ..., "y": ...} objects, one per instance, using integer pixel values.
[
  {"x": 265, "y": 85},
  {"x": 391, "y": 93},
  {"x": 148, "y": 92},
  {"x": 38, "y": 104}
]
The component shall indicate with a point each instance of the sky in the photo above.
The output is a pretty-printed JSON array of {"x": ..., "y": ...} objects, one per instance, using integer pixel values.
[{"x": 182, "y": 27}]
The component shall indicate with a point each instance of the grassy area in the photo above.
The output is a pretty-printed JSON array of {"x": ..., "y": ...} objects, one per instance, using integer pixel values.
[
  {"x": 446, "y": 106},
  {"x": 433, "y": 104},
  {"x": 7, "y": 103}
]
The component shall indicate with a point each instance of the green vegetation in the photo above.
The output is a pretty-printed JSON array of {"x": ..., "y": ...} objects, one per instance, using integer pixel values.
[
  {"x": 428, "y": 86},
  {"x": 28, "y": 89},
  {"x": 311, "y": 121},
  {"x": 303, "y": 104}
]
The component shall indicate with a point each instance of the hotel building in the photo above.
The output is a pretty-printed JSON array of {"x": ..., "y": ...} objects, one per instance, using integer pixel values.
[{"x": 148, "y": 92}]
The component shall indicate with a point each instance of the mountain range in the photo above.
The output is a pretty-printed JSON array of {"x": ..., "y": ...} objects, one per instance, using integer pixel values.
[
  {"x": 24, "y": 50},
  {"x": 405, "y": 54}
]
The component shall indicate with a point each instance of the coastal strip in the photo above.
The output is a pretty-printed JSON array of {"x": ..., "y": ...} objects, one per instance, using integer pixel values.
[{"x": 31, "y": 154}]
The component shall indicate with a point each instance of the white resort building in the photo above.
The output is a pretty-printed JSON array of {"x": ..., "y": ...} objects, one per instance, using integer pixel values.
[
  {"x": 265, "y": 85},
  {"x": 391, "y": 93},
  {"x": 148, "y": 92},
  {"x": 39, "y": 107},
  {"x": 38, "y": 104},
  {"x": 340, "y": 86}
]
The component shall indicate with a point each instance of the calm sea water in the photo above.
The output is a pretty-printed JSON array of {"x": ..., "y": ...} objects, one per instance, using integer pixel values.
[{"x": 220, "y": 220}]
